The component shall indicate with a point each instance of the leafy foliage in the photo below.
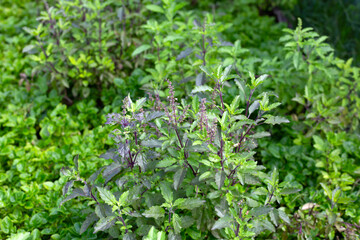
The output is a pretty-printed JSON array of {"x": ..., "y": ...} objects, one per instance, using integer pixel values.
[
  {"x": 219, "y": 152},
  {"x": 190, "y": 169}
]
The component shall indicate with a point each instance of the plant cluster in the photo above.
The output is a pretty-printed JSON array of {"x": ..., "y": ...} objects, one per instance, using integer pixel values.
[
  {"x": 201, "y": 153},
  {"x": 189, "y": 167}
]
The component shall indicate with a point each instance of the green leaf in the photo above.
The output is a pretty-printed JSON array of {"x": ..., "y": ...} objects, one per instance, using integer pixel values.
[
  {"x": 205, "y": 175},
  {"x": 152, "y": 234},
  {"x": 166, "y": 162},
  {"x": 173, "y": 37},
  {"x": 6, "y": 225},
  {"x": 319, "y": 143},
  {"x": 104, "y": 223},
  {"x": 28, "y": 48},
  {"x": 176, "y": 221},
  {"x": 235, "y": 103},
  {"x": 154, "y": 115},
  {"x": 225, "y": 73},
  {"x": 223, "y": 222},
  {"x": 206, "y": 71},
  {"x": 154, "y": 212},
  {"x": 327, "y": 190},
  {"x": 129, "y": 236},
  {"x": 153, "y": 143},
  {"x": 286, "y": 191},
  {"x": 20, "y": 236},
  {"x": 224, "y": 118},
  {"x": 179, "y": 177},
  {"x": 258, "y": 211},
  {"x": 274, "y": 216},
  {"x": 219, "y": 179},
  {"x": 187, "y": 221},
  {"x": 191, "y": 203},
  {"x": 140, "y": 49},
  {"x": 107, "y": 196},
  {"x": 140, "y": 103},
  {"x": 202, "y": 88},
  {"x": 252, "y": 203},
  {"x": 260, "y": 79},
  {"x": 166, "y": 191},
  {"x": 241, "y": 86},
  {"x": 123, "y": 200},
  {"x": 155, "y": 8},
  {"x": 76, "y": 162},
  {"x": 255, "y": 105},
  {"x": 260, "y": 191},
  {"x": 276, "y": 120},
  {"x": 268, "y": 225},
  {"x": 195, "y": 104},
  {"x": 38, "y": 220},
  {"x": 72, "y": 60},
  {"x": 296, "y": 59},
  {"x": 260, "y": 135},
  {"x": 161, "y": 235},
  {"x": 284, "y": 216}
]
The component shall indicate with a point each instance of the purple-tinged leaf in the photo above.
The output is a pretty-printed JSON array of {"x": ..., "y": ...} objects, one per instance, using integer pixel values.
[
  {"x": 153, "y": 143},
  {"x": 110, "y": 154},
  {"x": 90, "y": 219},
  {"x": 198, "y": 56},
  {"x": 111, "y": 171},
  {"x": 185, "y": 80},
  {"x": 123, "y": 149},
  {"x": 76, "y": 193},
  {"x": 200, "y": 79},
  {"x": 141, "y": 161},
  {"x": 153, "y": 115},
  {"x": 121, "y": 181},
  {"x": 94, "y": 176},
  {"x": 87, "y": 190},
  {"x": 67, "y": 186},
  {"x": 66, "y": 171},
  {"x": 179, "y": 177},
  {"x": 184, "y": 54},
  {"x": 104, "y": 223},
  {"x": 219, "y": 179}
]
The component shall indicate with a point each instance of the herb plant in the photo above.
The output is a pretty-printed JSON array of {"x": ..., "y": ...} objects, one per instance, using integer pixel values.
[{"x": 186, "y": 169}]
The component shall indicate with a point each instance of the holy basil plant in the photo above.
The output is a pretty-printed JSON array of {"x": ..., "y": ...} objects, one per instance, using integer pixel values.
[{"x": 186, "y": 169}]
